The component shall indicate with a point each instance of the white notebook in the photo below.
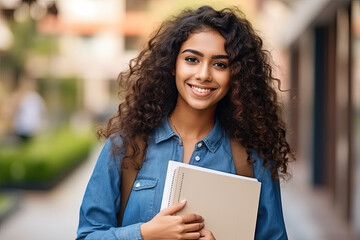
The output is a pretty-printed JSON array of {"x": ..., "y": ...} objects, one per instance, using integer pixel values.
[{"x": 227, "y": 202}]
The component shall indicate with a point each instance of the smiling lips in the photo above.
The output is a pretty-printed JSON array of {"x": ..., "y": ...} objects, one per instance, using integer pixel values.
[{"x": 201, "y": 90}]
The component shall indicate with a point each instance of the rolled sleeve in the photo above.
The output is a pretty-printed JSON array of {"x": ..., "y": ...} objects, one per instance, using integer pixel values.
[{"x": 131, "y": 232}]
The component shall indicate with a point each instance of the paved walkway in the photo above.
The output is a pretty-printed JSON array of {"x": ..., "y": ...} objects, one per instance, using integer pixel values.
[
  {"x": 309, "y": 213},
  {"x": 53, "y": 214}
]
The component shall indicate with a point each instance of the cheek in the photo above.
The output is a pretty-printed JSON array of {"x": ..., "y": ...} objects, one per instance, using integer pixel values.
[
  {"x": 226, "y": 83},
  {"x": 183, "y": 72},
  {"x": 224, "y": 79},
  {"x": 226, "y": 90}
]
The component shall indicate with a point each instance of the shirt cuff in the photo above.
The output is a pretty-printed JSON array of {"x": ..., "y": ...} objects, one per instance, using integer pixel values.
[{"x": 131, "y": 232}]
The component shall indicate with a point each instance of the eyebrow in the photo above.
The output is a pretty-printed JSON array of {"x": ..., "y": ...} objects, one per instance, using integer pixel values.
[{"x": 220, "y": 56}]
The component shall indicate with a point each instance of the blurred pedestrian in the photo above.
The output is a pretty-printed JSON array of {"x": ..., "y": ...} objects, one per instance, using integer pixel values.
[{"x": 29, "y": 110}]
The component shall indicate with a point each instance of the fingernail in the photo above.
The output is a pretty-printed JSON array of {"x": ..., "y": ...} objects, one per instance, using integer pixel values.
[{"x": 183, "y": 201}]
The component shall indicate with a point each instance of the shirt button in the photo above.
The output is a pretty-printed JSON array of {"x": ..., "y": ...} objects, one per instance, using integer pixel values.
[
  {"x": 199, "y": 145},
  {"x": 197, "y": 158},
  {"x": 137, "y": 185}
]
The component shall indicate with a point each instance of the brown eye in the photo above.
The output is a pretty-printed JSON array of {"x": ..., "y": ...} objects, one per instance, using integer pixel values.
[
  {"x": 191, "y": 59},
  {"x": 221, "y": 65}
]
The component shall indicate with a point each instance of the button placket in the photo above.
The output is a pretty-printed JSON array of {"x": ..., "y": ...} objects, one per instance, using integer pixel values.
[{"x": 199, "y": 151}]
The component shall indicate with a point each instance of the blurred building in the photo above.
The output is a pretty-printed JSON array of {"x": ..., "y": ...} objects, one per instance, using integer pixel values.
[
  {"x": 322, "y": 42},
  {"x": 96, "y": 38},
  {"x": 100, "y": 37}
]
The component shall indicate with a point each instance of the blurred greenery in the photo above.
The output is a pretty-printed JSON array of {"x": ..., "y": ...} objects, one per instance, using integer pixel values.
[
  {"x": 44, "y": 160},
  {"x": 62, "y": 95}
]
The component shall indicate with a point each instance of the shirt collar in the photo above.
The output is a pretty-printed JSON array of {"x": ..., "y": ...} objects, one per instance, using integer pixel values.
[{"x": 212, "y": 140}]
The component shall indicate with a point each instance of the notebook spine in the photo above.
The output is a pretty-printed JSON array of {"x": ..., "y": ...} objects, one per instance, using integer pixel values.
[
  {"x": 180, "y": 183},
  {"x": 172, "y": 188}
]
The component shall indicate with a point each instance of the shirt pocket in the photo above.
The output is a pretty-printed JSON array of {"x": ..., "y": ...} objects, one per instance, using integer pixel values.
[
  {"x": 143, "y": 183},
  {"x": 140, "y": 207}
]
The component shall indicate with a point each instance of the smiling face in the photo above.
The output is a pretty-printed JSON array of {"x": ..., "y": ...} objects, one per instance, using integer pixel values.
[{"x": 202, "y": 71}]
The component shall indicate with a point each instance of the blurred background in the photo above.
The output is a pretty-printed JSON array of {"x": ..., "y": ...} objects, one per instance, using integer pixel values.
[{"x": 59, "y": 61}]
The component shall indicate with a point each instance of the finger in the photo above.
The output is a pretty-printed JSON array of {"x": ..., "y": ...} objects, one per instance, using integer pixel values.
[
  {"x": 191, "y": 235},
  {"x": 206, "y": 234},
  {"x": 174, "y": 208},
  {"x": 193, "y": 227},
  {"x": 202, "y": 233},
  {"x": 192, "y": 218}
]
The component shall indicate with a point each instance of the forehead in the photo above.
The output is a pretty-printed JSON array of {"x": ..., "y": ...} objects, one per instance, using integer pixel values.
[{"x": 205, "y": 41}]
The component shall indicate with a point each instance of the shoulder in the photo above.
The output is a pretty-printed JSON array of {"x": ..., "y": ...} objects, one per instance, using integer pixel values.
[
  {"x": 109, "y": 156},
  {"x": 106, "y": 170}
]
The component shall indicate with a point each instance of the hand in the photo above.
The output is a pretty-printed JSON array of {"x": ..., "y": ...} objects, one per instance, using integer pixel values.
[
  {"x": 206, "y": 235},
  {"x": 165, "y": 225}
]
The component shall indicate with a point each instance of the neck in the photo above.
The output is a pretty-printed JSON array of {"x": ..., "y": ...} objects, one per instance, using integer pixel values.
[{"x": 192, "y": 125}]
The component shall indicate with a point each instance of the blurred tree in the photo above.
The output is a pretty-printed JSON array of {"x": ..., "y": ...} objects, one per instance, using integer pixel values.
[
  {"x": 26, "y": 40},
  {"x": 13, "y": 60},
  {"x": 62, "y": 95}
]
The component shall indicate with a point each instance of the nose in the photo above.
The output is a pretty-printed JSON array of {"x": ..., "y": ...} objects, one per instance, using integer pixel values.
[{"x": 203, "y": 73}]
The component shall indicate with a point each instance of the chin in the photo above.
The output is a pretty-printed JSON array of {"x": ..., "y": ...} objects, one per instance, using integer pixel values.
[{"x": 202, "y": 107}]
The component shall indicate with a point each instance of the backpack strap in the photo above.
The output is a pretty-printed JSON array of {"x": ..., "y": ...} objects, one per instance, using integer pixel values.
[
  {"x": 240, "y": 156},
  {"x": 128, "y": 175}
]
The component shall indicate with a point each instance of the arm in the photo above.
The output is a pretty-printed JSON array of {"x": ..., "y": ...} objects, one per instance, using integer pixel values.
[
  {"x": 101, "y": 202},
  {"x": 270, "y": 222}
]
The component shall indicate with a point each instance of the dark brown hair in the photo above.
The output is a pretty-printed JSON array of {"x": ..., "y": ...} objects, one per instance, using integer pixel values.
[{"x": 250, "y": 111}]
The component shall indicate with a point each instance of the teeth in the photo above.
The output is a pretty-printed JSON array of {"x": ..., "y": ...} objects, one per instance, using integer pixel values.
[{"x": 201, "y": 90}]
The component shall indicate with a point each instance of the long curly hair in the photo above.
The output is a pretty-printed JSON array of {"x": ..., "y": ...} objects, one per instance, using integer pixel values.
[{"x": 250, "y": 111}]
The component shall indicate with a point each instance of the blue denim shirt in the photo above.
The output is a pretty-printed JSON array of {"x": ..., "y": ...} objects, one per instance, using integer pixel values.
[{"x": 98, "y": 212}]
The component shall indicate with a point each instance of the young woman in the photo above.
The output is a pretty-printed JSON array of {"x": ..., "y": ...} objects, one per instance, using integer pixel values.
[{"x": 202, "y": 80}]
